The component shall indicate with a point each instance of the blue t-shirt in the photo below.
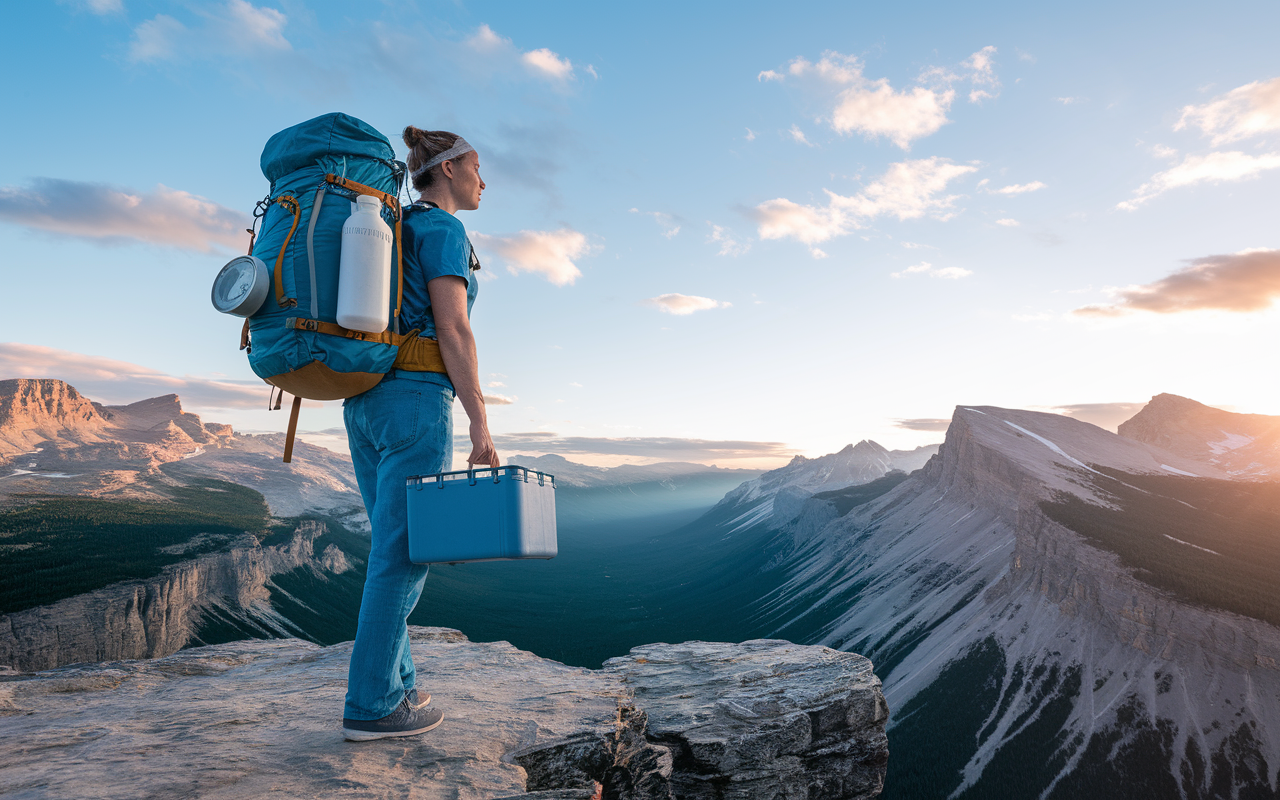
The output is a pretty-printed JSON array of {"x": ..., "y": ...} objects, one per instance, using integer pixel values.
[{"x": 435, "y": 244}]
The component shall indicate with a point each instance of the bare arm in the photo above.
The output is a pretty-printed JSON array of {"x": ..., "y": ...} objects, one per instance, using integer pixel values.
[{"x": 458, "y": 349}]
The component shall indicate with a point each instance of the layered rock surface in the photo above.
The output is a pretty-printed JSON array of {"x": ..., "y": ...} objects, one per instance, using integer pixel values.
[{"x": 765, "y": 719}]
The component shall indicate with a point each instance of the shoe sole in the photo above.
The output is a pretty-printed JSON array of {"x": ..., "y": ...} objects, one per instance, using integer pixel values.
[{"x": 368, "y": 736}]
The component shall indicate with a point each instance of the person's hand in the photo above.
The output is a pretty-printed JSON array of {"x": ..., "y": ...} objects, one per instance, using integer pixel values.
[{"x": 482, "y": 450}]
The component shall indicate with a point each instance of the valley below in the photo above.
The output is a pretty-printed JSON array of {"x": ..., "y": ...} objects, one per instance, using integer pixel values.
[{"x": 1054, "y": 610}]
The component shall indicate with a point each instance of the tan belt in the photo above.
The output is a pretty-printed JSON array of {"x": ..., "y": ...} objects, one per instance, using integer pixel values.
[{"x": 416, "y": 353}]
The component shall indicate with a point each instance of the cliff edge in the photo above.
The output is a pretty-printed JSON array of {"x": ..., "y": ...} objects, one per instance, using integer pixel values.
[{"x": 761, "y": 719}]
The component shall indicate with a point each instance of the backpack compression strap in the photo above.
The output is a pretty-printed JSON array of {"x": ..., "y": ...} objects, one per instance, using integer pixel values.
[{"x": 290, "y": 202}]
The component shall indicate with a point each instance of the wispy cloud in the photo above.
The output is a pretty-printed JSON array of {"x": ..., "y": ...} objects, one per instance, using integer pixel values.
[
  {"x": 1212, "y": 168},
  {"x": 1246, "y": 111},
  {"x": 932, "y": 425},
  {"x": 1104, "y": 415},
  {"x": 663, "y": 447},
  {"x": 550, "y": 254},
  {"x": 729, "y": 244},
  {"x": 97, "y": 6},
  {"x": 233, "y": 26},
  {"x": 495, "y": 399},
  {"x": 925, "y": 268},
  {"x": 1019, "y": 188},
  {"x": 548, "y": 64},
  {"x": 683, "y": 304},
  {"x": 1240, "y": 282},
  {"x": 1008, "y": 223},
  {"x": 798, "y": 136},
  {"x": 907, "y": 190},
  {"x": 109, "y": 214},
  {"x": 874, "y": 109},
  {"x": 118, "y": 382},
  {"x": 981, "y": 72},
  {"x": 669, "y": 223}
]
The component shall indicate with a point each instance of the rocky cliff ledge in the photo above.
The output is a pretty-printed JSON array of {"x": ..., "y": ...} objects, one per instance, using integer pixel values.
[{"x": 763, "y": 719}]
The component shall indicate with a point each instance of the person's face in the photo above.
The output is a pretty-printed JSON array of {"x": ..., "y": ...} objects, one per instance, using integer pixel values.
[{"x": 467, "y": 183}]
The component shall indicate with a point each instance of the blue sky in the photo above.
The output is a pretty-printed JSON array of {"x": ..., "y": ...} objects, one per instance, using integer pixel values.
[{"x": 867, "y": 213}]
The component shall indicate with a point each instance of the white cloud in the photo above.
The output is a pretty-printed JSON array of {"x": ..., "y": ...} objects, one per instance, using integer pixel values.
[
  {"x": 981, "y": 67},
  {"x": 729, "y": 245},
  {"x": 498, "y": 399},
  {"x": 496, "y": 385},
  {"x": 1070, "y": 101},
  {"x": 669, "y": 222},
  {"x": 262, "y": 25},
  {"x": 116, "y": 382},
  {"x": 1008, "y": 223},
  {"x": 751, "y": 135},
  {"x": 236, "y": 25},
  {"x": 925, "y": 268},
  {"x": 156, "y": 39},
  {"x": 907, "y": 190},
  {"x": 108, "y": 214},
  {"x": 1019, "y": 188},
  {"x": 1212, "y": 168},
  {"x": 683, "y": 304},
  {"x": 1246, "y": 111},
  {"x": 548, "y": 64},
  {"x": 875, "y": 109},
  {"x": 1161, "y": 151},
  {"x": 798, "y": 136},
  {"x": 547, "y": 253},
  {"x": 486, "y": 40},
  {"x": 591, "y": 70}
]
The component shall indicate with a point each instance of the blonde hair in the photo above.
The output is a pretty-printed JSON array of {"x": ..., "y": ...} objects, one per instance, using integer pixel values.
[{"x": 424, "y": 146}]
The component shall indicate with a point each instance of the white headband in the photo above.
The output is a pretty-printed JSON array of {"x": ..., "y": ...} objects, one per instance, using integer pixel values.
[{"x": 460, "y": 147}]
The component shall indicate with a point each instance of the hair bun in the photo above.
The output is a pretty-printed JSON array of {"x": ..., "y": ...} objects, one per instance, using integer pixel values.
[{"x": 414, "y": 136}]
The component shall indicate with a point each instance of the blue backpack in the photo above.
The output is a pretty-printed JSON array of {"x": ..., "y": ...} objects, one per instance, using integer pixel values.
[{"x": 316, "y": 170}]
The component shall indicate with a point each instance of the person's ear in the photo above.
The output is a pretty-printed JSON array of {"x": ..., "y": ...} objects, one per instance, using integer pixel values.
[{"x": 446, "y": 167}]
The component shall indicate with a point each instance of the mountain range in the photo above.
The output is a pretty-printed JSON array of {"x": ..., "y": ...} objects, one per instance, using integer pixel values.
[{"x": 1054, "y": 610}]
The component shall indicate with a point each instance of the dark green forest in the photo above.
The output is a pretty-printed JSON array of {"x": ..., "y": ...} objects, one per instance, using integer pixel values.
[
  {"x": 53, "y": 547},
  {"x": 1210, "y": 542}
]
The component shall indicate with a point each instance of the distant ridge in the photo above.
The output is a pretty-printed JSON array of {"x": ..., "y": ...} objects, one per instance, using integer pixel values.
[{"x": 1245, "y": 445}]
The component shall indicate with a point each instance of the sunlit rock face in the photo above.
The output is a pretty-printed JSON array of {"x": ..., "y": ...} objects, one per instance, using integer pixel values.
[
  {"x": 53, "y": 440},
  {"x": 1244, "y": 445},
  {"x": 764, "y": 719},
  {"x": 1040, "y": 620}
]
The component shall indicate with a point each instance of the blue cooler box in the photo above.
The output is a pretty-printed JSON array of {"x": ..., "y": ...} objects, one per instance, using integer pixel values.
[{"x": 481, "y": 515}]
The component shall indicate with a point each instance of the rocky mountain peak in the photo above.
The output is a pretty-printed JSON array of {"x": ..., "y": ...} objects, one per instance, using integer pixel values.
[
  {"x": 989, "y": 447},
  {"x": 1245, "y": 445},
  {"x": 35, "y": 409}
]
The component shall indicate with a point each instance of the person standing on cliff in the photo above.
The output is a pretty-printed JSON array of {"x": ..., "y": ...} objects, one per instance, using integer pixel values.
[{"x": 404, "y": 426}]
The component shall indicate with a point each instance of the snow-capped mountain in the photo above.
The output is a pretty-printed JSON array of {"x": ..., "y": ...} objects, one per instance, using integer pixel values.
[
  {"x": 1055, "y": 611},
  {"x": 778, "y": 494},
  {"x": 1245, "y": 445}
]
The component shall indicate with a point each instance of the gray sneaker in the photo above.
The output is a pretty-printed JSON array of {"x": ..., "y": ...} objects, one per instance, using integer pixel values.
[
  {"x": 404, "y": 721},
  {"x": 418, "y": 702}
]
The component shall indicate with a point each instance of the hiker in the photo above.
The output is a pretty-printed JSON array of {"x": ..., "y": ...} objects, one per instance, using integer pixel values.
[{"x": 404, "y": 426}]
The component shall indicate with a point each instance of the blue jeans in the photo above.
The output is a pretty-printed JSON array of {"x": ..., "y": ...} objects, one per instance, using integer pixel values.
[{"x": 398, "y": 428}]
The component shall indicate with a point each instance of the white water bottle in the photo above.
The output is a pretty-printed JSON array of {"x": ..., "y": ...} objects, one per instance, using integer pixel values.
[{"x": 364, "y": 273}]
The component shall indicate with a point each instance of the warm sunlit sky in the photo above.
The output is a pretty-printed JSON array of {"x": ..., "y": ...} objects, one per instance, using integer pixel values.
[{"x": 713, "y": 232}]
